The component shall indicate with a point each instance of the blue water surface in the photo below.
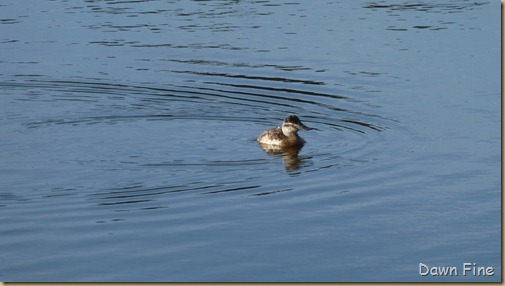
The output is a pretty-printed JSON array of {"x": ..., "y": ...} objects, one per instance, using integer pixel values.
[{"x": 128, "y": 141}]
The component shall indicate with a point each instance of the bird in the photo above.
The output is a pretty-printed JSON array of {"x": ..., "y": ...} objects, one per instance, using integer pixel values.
[{"x": 285, "y": 136}]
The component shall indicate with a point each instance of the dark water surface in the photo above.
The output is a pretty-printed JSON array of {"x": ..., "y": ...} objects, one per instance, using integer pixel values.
[{"x": 128, "y": 140}]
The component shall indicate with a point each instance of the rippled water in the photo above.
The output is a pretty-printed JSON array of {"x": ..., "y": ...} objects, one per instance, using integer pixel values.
[{"x": 128, "y": 140}]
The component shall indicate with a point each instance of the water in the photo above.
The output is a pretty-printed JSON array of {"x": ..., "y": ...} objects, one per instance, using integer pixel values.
[{"x": 128, "y": 140}]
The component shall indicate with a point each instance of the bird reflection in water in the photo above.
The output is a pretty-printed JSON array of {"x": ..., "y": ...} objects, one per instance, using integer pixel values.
[{"x": 289, "y": 155}]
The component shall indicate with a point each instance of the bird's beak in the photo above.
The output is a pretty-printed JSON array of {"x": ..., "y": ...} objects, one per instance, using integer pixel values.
[{"x": 306, "y": 128}]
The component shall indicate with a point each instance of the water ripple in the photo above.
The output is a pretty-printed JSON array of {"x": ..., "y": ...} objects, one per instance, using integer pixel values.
[
  {"x": 166, "y": 102},
  {"x": 198, "y": 131}
]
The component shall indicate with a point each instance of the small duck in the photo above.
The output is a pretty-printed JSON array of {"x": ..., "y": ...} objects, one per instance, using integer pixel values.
[{"x": 285, "y": 136}]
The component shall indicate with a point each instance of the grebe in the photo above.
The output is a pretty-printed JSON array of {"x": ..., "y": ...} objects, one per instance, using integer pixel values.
[{"x": 285, "y": 136}]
